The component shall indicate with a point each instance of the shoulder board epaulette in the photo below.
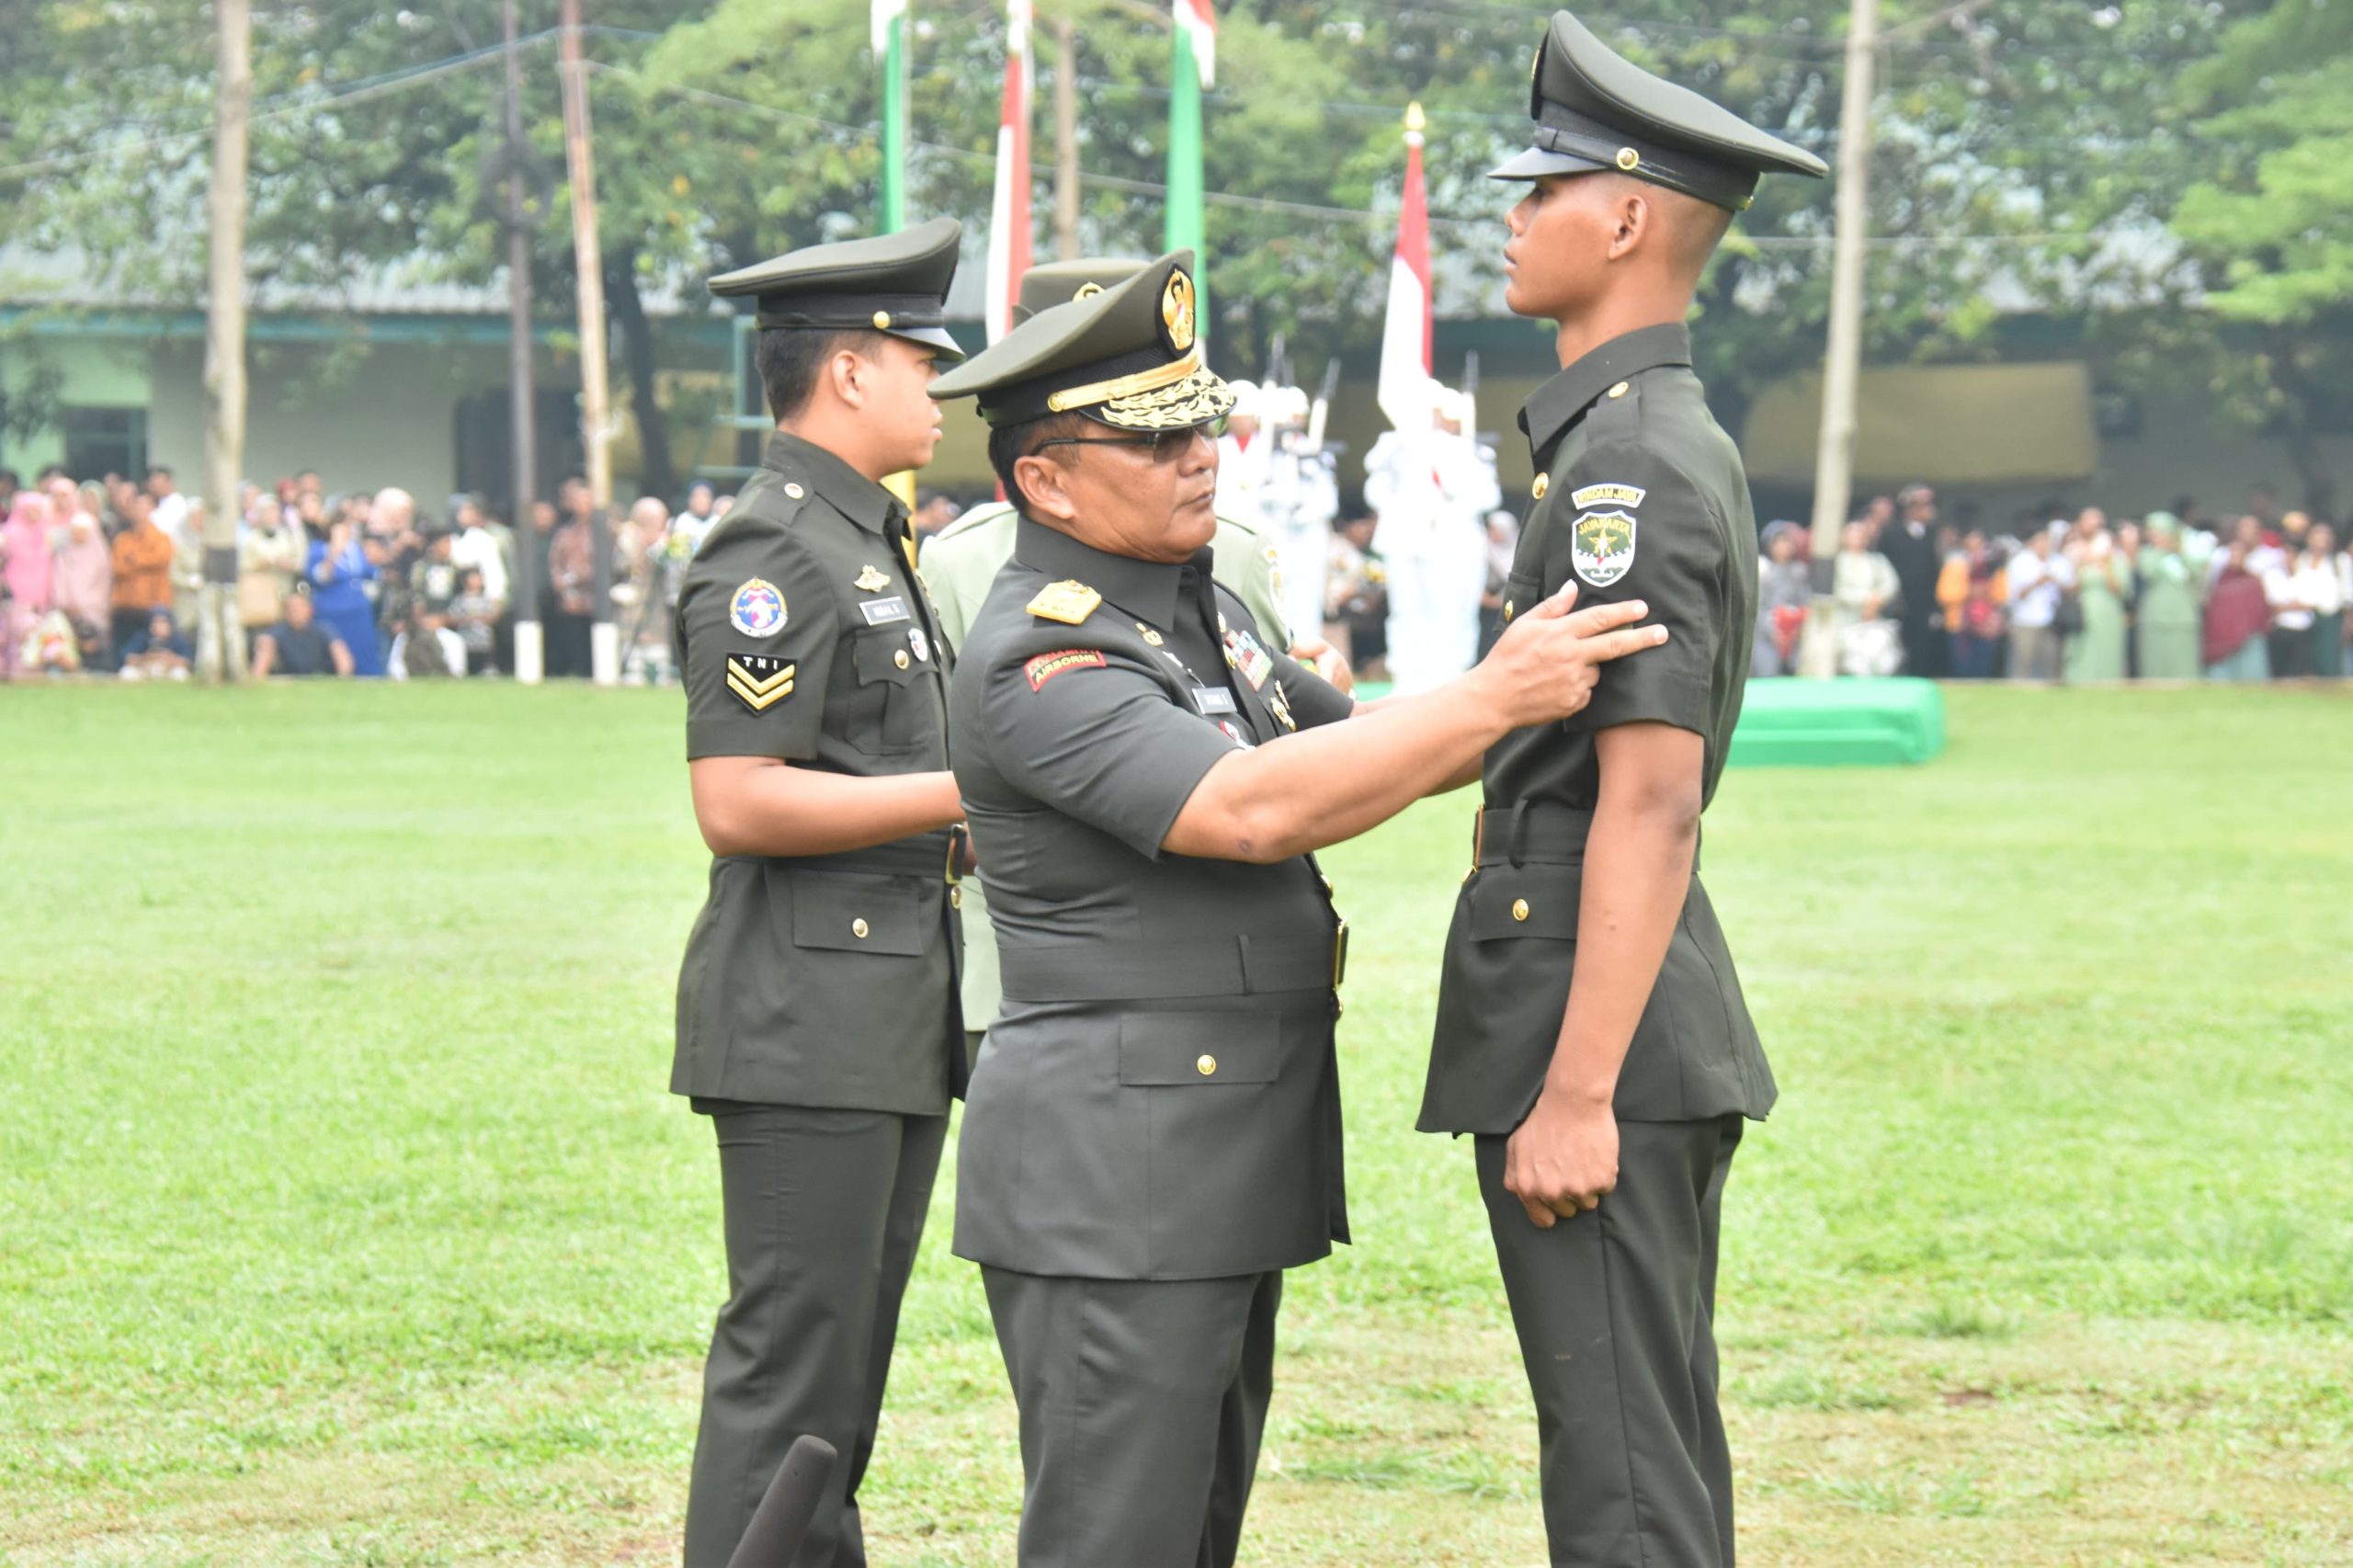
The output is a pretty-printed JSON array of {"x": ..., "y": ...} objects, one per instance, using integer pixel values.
[{"x": 1068, "y": 601}]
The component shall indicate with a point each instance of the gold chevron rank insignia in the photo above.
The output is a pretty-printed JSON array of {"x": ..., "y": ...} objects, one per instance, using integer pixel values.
[{"x": 758, "y": 681}]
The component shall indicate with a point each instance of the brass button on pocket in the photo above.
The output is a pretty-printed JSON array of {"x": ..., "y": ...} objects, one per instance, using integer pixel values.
[
  {"x": 900, "y": 658},
  {"x": 1519, "y": 909},
  {"x": 858, "y": 928},
  {"x": 1205, "y": 1064},
  {"x": 1620, "y": 390}
]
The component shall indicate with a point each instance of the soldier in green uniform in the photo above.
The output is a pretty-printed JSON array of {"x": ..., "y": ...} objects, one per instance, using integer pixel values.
[
  {"x": 960, "y": 562},
  {"x": 1153, "y": 1130},
  {"x": 818, "y": 1024},
  {"x": 1590, "y": 1028}
]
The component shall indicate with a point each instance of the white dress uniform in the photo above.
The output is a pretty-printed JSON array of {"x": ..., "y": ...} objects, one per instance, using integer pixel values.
[{"x": 1432, "y": 491}]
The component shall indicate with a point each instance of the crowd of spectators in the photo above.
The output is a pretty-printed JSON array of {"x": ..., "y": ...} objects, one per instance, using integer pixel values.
[
  {"x": 2175, "y": 594},
  {"x": 103, "y": 577}
]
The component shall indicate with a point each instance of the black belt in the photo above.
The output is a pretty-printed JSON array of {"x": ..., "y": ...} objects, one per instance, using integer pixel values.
[
  {"x": 1542, "y": 833},
  {"x": 1142, "y": 972}
]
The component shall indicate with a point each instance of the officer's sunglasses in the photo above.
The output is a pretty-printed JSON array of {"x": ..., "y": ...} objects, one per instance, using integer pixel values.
[{"x": 1165, "y": 446}]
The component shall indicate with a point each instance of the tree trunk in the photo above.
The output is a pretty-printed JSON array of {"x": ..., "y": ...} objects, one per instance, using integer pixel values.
[
  {"x": 2302, "y": 446},
  {"x": 657, "y": 475},
  {"x": 220, "y": 636}
]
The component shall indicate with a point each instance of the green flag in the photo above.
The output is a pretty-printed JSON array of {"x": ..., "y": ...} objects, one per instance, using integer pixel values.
[{"x": 1195, "y": 68}]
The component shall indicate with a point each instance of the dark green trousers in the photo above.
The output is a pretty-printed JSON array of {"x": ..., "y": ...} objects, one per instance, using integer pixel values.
[
  {"x": 823, "y": 1211},
  {"x": 1142, "y": 1406},
  {"x": 1615, "y": 1313}
]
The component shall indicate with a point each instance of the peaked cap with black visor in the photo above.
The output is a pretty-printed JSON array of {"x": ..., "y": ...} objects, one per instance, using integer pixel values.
[
  {"x": 1128, "y": 356},
  {"x": 1595, "y": 109},
  {"x": 892, "y": 283}
]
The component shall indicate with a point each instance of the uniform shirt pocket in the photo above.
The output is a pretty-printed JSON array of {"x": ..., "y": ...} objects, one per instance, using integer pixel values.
[
  {"x": 852, "y": 911},
  {"x": 1510, "y": 902},
  {"x": 890, "y": 673},
  {"x": 1199, "y": 1050}
]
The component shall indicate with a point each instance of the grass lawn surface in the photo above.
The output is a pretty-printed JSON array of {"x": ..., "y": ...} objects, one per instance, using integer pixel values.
[{"x": 345, "y": 1219}]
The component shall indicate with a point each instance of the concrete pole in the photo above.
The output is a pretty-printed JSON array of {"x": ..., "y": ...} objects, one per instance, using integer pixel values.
[
  {"x": 1833, "y": 464},
  {"x": 522, "y": 407},
  {"x": 1066, "y": 140},
  {"x": 588, "y": 264},
  {"x": 220, "y": 635}
]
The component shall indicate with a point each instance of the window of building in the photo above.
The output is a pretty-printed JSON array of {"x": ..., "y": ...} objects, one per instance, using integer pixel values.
[{"x": 99, "y": 441}]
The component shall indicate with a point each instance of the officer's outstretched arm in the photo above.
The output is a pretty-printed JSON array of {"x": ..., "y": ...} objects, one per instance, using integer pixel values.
[{"x": 1323, "y": 785}]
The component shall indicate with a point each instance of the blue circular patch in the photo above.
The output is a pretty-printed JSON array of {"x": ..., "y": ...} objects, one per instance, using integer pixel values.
[{"x": 757, "y": 609}]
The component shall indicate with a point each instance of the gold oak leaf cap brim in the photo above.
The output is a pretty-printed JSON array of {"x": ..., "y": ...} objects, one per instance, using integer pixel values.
[
  {"x": 1595, "y": 109},
  {"x": 1128, "y": 356},
  {"x": 889, "y": 283}
]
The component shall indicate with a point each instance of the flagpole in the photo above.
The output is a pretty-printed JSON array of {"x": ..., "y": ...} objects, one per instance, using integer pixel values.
[
  {"x": 895, "y": 113},
  {"x": 1010, "y": 204}
]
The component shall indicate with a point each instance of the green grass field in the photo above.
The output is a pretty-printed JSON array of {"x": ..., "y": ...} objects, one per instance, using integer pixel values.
[{"x": 344, "y": 1218}]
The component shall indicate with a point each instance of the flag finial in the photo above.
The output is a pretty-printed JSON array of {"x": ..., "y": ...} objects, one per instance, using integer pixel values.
[{"x": 1415, "y": 119}]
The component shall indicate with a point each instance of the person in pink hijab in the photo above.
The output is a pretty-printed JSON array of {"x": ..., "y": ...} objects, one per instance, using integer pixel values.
[
  {"x": 83, "y": 584},
  {"x": 25, "y": 570}
]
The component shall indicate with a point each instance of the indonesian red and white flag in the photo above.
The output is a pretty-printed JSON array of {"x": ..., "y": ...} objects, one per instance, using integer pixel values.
[
  {"x": 1009, "y": 212},
  {"x": 1197, "y": 24},
  {"x": 1405, "y": 389}
]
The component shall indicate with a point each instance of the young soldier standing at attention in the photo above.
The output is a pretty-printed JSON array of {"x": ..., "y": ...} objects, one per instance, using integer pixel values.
[
  {"x": 1590, "y": 1030},
  {"x": 818, "y": 1026}
]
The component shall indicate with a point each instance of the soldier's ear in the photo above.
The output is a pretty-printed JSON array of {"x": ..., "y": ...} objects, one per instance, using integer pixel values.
[
  {"x": 1040, "y": 480},
  {"x": 846, "y": 372},
  {"x": 1631, "y": 220}
]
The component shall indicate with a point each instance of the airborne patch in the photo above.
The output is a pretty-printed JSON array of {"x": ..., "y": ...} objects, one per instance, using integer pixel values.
[
  {"x": 1046, "y": 666},
  {"x": 758, "y": 681},
  {"x": 1608, "y": 495},
  {"x": 1601, "y": 547}
]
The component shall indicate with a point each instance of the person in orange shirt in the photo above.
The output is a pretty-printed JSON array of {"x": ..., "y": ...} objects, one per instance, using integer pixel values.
[
  {"x": 1971, "y": 591},
  {"x": 143, "y": 569}
]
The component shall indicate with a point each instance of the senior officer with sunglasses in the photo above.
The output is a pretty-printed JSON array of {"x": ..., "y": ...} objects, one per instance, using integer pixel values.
[
  {"x": 1153, "y": 1133},
  {"x": 965, "y": 558}
]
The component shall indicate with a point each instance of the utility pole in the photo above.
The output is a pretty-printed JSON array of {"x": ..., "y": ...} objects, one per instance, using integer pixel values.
[
  {"x": 590, "y": 264},
  {"x": 1834, "y": 463},
  {"x": 220, "y": 633},
  {"x": 1065, "y": 139},
  {"x": 522, "y": 399}
]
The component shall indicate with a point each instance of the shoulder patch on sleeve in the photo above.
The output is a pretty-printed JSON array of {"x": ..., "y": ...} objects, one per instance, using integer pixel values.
[
  {"x": 1046, "y": 666},
  {"x": 1601, "y": 546},
  {"x": 1068, "y": 601}
]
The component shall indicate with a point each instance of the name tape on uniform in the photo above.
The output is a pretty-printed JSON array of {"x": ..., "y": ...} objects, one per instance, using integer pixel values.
[
  {"x": 882, "y": 612},
  {"x": 1610, "y": 495},
  {"x": 1046, "y": 666}
]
